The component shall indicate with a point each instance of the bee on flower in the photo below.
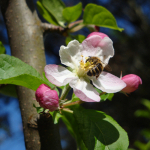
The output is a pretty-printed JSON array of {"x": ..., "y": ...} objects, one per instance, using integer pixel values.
[{"x": 87, "y": 61}]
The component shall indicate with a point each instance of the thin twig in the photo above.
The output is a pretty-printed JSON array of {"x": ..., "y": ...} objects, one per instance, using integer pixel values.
[
  {"x": 67, "y": 110},
  {"x": 54, "y": 28},
  {"x": 50, "y": 27},
  {"x": 74, "y": 23},
  {"x": 73, "y": 103}
]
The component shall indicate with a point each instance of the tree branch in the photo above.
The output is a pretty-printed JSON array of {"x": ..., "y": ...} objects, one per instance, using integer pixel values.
[
  {"x": 72, "y": 27},
  {"x": 51, "y": 27},
  {"x": 26, "y": 42}
]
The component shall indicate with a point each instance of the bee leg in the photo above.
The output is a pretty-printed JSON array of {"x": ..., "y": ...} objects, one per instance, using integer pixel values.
[{"x": 97, "y": 76}]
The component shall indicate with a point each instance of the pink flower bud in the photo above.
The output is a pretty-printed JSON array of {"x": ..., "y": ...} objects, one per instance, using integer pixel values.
[
  {"x": 132, "y": 81},
  {"x": 102, "y": 35},
  {"x": 47, "y": 98}
]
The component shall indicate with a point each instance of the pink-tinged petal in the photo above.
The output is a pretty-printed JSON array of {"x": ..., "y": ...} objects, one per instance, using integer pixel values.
[
  {"x": 84, "y": 90},
  {"x": 102, "y": 35},
  {"x": 96, "y": 46},
  {"x": 90, "y": 46},
  {"x": 70, "y": 55},
  {"x": 108, "y": 51},
  {"x": 108, "y": 83},
  {"x": 58, "y": 75}
]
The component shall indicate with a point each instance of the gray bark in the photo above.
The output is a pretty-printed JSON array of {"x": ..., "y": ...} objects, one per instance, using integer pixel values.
[{"x": 26, "y": 42}]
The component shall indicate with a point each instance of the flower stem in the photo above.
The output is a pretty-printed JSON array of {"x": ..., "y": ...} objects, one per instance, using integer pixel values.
[
  {"x": 73, "y": 103},
  {"x": 65, "y": 92},
  {"x": 67, "y": 110}
]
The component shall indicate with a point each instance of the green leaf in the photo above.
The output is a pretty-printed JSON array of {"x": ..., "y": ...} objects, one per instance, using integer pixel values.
[
  {"x": 45, "y": 14},
  {"x": 68, "y": 39},
  {"x": 99, "y": 131},
  {"x": 106, "y": 96},
  {"x": 56, "y": 116},
  {"x": 146, "y": 133},
  {"x": 2, "y": 48},
  {"x": 61, "y": 87},
  {"x": 74, "y": 98},
  {"x": 99, "y": 16},
  {"x": 110, "y": 96},
  {"x": 72, "y": 126},
  {"x": 80, "y": 38},
  {"x": 142, "y": 113},
  {"x": 38, "y": 109},
  {"x": 98, "y": 90},
  {"x": 14, "y": 71},
  {"x": 142, "y": 146},
  {"x": 69, "y": 120},
  {"x": 55, "y": 8},
  {"x": 9, "y": 90},
  {"x": 72, "y": 13},
  {"x": 146, "y": 103}
]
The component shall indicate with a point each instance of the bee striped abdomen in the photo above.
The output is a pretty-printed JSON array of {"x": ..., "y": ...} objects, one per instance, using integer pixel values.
[
  {"x": 90, "y": 73},
  {"x": 96, "y": 70},
  {"x": 96, "y": 66},
  {"x": 93, "y": 72},
  {"x": 99, "y": 68}
]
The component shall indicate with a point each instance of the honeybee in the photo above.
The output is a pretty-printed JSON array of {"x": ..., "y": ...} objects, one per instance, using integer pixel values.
[{"x": 97, "y": 66}]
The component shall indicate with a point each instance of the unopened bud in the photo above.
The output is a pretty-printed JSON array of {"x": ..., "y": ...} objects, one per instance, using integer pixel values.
[
  {"x": 102, "y": 35},
  {"x": 47, "y": 98},
  {"x": 132, "y": 81}
]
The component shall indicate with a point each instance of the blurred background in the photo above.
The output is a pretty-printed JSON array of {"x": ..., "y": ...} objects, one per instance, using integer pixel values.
[{"x": 132, "y": 56}]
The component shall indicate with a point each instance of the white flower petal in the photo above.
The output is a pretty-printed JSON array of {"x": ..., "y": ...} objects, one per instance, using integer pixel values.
[
  {"x": 108, "y": 83},
  {"x": 71, "y": 55},
  {"x": 98, "y": 47},
  {"x": 58, "y": 75},
  {"x": 90, "y": 47},
  {"x": 106, "y": 45},
  {"x": 84, "y": 90}
]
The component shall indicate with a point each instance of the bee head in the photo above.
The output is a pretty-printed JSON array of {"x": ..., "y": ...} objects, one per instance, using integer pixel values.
[{"x": 87, "y": 58}]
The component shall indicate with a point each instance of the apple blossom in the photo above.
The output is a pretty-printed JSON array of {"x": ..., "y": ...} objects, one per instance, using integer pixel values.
[
  {"x": 74, "y": 56},
  {"x": 47, "y": 98},
  {"x": 132, "y": 81}
]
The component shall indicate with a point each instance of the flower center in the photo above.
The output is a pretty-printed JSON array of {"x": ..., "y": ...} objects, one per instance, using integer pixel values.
[{"x": 84, "y": 67}]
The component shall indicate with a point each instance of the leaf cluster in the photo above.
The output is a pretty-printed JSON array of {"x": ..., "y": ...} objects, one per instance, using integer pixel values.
[
  {"x": 13, "y": 71},
  {"x": 91, "y": 129},
  {"x": 94, "y": 130},
  {"x": 56, "y": 13},
  {"x": 145, "y": 132}
]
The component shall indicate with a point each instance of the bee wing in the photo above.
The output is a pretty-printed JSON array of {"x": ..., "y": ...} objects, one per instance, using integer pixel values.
[{"x": 108, "y": 68}]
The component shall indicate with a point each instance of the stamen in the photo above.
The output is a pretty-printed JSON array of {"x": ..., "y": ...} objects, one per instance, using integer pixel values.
[{"x": 85, "y": 66}]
